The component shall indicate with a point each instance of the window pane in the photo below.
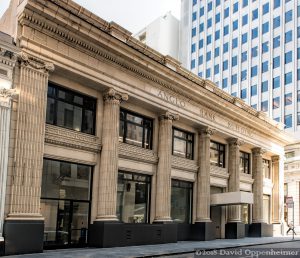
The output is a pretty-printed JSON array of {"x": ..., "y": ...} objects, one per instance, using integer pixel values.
[
  {"x": 181, "y": 202},
  {"x": 69, "y": 116},
  {"x": 134, "y": 135},
  {"x": 65, "y": 180},
  {"x": 179, "y": 147},
  {"x": 50, "y": 111},
  {"x": 133, "y": 198},
  {"x": 88, "y": 122}
]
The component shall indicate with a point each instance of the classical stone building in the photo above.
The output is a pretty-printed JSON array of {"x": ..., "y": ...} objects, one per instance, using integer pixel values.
[
  {"x": 115, "y": 144},
  {"x": 8, "y": 53}
]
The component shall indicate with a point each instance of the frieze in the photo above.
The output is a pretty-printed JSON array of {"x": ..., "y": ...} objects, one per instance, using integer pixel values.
[
  {"x": 239, "y": 129},
  {"x": 132, "y": 152},
  {"x": 177, "y": 101},
  {"x": 72, "y": 139},
  {"x": 207, "y": 114}
]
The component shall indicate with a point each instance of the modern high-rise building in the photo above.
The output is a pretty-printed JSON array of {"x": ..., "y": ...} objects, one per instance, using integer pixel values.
[
  {"x": 250, "y": 49},
  {"x": 162, "y": 35}
]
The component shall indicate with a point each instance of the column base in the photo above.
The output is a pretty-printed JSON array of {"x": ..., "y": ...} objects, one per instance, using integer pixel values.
[
  {"x": 113, "y": 234},
  {"x": 2, "y": 247},
  {"x": 260, "y": 230},
  {"x": 23, "y": 236},
  {"x": 234, "y": 230},
  {"x": 202, "y": 231}
]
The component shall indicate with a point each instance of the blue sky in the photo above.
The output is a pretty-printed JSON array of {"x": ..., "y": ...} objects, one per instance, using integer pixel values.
[{"x": 133, "y": 15}]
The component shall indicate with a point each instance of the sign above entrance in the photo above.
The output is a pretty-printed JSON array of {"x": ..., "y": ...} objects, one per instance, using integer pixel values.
[{"x": 231, "y": 198}]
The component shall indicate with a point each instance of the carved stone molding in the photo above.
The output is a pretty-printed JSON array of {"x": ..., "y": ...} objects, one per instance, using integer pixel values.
[
  {"x": 72, "y": 139},
  {"x": 258, "y": 151},
  {"x": 219, "y": 172},
  {"x": 136, "y": 153},
  {"x": 184, "y": 164},
  {"x": 114, "y": 96},
  {"x": 235, "y": 141},
  {"x": 169, "y": 116},
  {"x": 207, "y": 131},
  {"x": 275, "y": 159},
  {"x": 35, "y": 63},
  {"x": 6, "y": 95}
]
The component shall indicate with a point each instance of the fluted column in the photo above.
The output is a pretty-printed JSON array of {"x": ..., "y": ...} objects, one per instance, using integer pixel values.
[
  {"x": 6, "y": 96},
  {"x": 203, "y": 178},
  {"x": 108, "y": 179},
  {"x": 276, "y": 190},
  {"x": 163, "y": 178},
  {"x": 29, "y": 138},
  {"x": 257, "y": 171},
  {"x": 234, "y": 211}
]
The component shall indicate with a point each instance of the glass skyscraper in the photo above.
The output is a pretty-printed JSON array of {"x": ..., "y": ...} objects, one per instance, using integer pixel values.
[{"x": 250, "y": 49}]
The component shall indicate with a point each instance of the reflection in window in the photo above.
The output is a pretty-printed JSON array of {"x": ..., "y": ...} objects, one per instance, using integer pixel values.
[
  {"x": 181, "y": 201},
  {"x": 245, "y": 213},
  {"x": 244, "y": 162},
  {"x": 70, "y": 109},
  {"x": 135, "y": 129},
  {"x": 133, "y": 198},
  {"x": 64, "y": 180},
  {"x": 217, "y": 154},
  {"x": 183, "y": 143}
]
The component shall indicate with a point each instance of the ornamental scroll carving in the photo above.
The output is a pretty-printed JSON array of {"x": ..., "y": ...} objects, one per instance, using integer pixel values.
[
  {"x": 169, "y": 116},
  {"x": 207, "y": 131},
  {"x": 6, "y": 95},
  {"x": 114, "y": 96},
  {"x": 35, "y": 63},
  {"x": 258, "y": 151},
  {"x": 235, "y": 142}
]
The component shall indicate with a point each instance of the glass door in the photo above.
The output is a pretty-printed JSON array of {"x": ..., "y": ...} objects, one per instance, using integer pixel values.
[{"x": 79, "y": 223}]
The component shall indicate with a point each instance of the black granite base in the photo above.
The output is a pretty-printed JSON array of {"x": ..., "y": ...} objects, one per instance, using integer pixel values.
[
  {"x": 23, "y": 236},
  {"x": 112, "y": 234},
  {"x": 234, "y": 230},
  {"x": 200, "y": 231},
  {"x": 246, "y": 230},
  {"x": 260, "y": 230},
  {"x": 2, "y": 248}
]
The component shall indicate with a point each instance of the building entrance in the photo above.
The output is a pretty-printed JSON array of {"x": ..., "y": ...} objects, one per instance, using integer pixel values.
[
  {"x": 65, "y": 203},
  {"x": 216, "y": 217}
]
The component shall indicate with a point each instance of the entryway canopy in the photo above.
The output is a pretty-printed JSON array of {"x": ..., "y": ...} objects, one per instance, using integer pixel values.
[{"x": 231, "y": 198}]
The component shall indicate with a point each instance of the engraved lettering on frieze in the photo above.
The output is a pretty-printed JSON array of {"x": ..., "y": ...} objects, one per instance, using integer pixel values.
[
  {"x": 239, "y": 129},
  {"x": 207, "y": 114},
  {"x": 171, "y": 99}
]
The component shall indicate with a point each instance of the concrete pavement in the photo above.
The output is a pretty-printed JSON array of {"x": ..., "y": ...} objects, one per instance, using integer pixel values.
[{"x": 155, "y": 250}]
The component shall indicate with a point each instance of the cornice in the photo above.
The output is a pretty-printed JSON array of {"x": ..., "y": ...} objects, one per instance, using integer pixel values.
[{"x": 72, "y": 139}]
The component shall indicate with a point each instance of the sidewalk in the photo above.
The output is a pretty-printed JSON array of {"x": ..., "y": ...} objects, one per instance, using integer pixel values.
[{"x": 155, "y": 250}]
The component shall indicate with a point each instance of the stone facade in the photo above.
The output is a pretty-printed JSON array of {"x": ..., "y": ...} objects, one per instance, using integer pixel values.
[{"x": 129, "y": 87}]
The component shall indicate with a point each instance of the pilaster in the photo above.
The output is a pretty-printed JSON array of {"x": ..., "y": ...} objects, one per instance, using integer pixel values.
[
  {"x": 275, "y": 190},
  {"x": 6, "y": 96},
  {"x": 108, "y": 174},
  {"x": 257, "y": 171},
  {"x": 234, "y": 211},
  {"x": 163, "y": 177},
  {"x": 203, "y": 178},
  {"x": 29, "y": 138}
]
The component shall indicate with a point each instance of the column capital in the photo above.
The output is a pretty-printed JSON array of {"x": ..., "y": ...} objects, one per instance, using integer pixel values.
[
  {"x": 258, "y": 151},
  {"x": 6, "y": 95},
  {"x": 207, "y": 131},
  {"x": 169, "y": 116},
  {"x": 35, "y": 63},
  {"x": 275, "y": 158},
  {"x": 111, "y": 95},
  {"x": 235, "y": 142}
]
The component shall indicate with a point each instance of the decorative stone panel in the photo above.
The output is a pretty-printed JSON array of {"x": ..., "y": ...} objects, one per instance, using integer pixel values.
[
  {"x": 136, "y": 153},
  {"x": 72, "y": 139},
  {"x": 184, "y": 164}
]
